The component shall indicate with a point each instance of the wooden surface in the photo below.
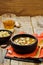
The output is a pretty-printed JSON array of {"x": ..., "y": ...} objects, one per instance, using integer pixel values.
[
  {"x": 22, "y": 7},
  {"x": 28, "y": 25}
]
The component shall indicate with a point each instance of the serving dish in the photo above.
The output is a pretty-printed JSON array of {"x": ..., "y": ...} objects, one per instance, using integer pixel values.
[
  {"x": 24, "y": 48},
  {"x": 4, "y": 36},
  {"x": 35, "y": 57}
]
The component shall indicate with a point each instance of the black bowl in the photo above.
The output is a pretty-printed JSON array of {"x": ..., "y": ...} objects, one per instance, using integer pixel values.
[
  {"x": 24, "y": 49},
  {"x": 3, "y": 40}
]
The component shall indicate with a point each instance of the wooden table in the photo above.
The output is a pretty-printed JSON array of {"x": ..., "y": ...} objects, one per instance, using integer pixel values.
[{"x": 28, "y": 25}]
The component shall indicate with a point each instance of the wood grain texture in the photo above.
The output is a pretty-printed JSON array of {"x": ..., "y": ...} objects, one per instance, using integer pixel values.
[
  {"x": 27, "y": 26},
  {"x": 3, "y": 61},
  {"x": 22, "y": 7},
  {"x": 0, "y": 55},
  {"x": 37, "y": 28}
]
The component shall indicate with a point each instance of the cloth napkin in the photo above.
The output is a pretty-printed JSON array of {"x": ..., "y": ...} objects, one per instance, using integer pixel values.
[{"x": 11, "y": 53}]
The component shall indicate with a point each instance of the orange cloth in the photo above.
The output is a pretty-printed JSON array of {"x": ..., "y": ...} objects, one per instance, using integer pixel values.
[
  {"x": 41, "y": 53},
  {"x": 22, "y": 32},
  {"x": 14, "y": 54},
  {"x": 39, "y": 37}
]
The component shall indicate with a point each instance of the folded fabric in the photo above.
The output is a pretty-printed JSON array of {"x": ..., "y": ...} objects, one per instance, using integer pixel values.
[
  {"x": 21, "y": 32},
  {"x": 41, "y": 53},
  {"x": 12, "y": 53},
  {"x": 39, "y": 37},
  {"x": 40, "y": 43}
]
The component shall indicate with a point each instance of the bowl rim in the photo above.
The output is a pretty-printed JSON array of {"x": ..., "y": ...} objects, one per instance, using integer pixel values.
[
  {"x": 7, "y": 31},
  {"x": 12, "y": 42}
]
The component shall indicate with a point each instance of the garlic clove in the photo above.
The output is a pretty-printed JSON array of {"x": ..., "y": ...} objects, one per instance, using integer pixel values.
[{"x": 17, "y": 24}]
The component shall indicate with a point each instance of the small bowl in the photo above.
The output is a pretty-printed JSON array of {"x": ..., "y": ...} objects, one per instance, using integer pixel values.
[
  {"x": 26, "y": 48},
  {"x": 5, "y": 39}
]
